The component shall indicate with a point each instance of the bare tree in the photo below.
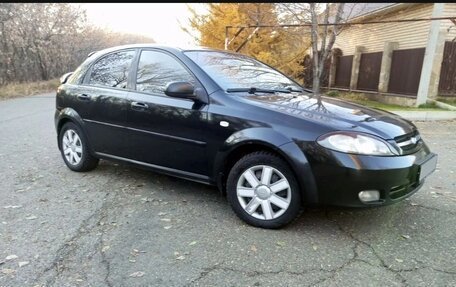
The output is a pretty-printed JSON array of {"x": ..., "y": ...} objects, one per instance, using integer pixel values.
[
  {"x": 42, "y": 41},
  {"x": 324, "y": 19},
  {"x": 326, "y": 34}
]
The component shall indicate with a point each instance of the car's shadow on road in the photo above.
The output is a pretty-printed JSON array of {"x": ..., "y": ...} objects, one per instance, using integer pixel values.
[{"x": 325, "y": 219}]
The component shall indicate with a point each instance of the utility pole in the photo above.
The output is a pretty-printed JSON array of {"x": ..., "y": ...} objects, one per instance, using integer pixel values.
[{"x": 426, "y": 86}]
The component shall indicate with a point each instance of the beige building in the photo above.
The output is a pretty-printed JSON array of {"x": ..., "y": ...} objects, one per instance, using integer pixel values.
[{"x": 416, "y": 60}]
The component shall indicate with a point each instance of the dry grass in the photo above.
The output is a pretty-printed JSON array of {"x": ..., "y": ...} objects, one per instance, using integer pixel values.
[{"x": 27, "y": 89}]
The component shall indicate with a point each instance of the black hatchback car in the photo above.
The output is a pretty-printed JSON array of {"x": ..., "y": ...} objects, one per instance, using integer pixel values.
[{"x": 228, "y": 120}]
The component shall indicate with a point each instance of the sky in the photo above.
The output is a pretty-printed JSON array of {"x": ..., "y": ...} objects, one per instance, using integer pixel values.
[{"x": 157, "y": 20}]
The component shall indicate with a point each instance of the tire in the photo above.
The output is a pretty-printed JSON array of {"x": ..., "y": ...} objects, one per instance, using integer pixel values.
[
  {"x": 74, "y": 149},
  {"x": 263, "y": 191}
]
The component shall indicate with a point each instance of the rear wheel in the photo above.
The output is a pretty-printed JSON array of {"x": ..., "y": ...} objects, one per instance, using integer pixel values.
[
  {"x": 74, "y": 149},
  {"x": 263, "y": 191}
]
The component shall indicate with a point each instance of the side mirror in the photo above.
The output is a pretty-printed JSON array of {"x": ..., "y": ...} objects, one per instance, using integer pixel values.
[
  {"x": 65, "y": 77},
  {"x": 183, "y": 90}
]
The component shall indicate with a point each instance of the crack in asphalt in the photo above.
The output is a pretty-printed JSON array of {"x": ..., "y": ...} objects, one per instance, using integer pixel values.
[
  {"x": 88, "y": 226},
  {"x": 105, "y": 261},
  {"x": 424, "y": 266},
  {"x": 440, "y": 270},
  {"x": 206, "y": 271},
  {"x": 383, "y": 264},
  {"x": 433, "y": 208},
  {"x": 98, "y": 248},
  {"x": 203, "y": 274},
  {"x": 359, "y": 241},
  {"x": 354, "y": 258},
  {"x": 69, "y": 246},
  {"x": 333, "y": 272}
]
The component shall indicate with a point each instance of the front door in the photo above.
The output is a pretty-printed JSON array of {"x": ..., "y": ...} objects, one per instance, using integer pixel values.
[{"x": 164, "y": 131}]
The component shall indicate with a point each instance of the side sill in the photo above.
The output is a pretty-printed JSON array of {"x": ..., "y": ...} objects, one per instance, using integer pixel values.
[{"x": 162, "y": 169}]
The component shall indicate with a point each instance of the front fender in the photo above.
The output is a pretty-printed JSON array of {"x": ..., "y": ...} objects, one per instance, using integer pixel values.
[
  {"x": 303, "y": 172},
  {"x": 281, "y": 144},
  {"x": 261, "y": 134}
]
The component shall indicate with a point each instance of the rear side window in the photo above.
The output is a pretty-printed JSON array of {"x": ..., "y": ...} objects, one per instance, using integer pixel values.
[
  {"x": 112, "y": 70},
  {"x": 157, "y": 69},
  {"x": 78, "y": 74}
]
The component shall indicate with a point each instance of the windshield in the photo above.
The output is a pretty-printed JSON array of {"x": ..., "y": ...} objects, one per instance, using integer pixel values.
[{"x": 235, "y": 71}]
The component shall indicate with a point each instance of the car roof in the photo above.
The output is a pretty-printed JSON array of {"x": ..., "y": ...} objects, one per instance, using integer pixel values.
[{"x": 157, "y": 46}]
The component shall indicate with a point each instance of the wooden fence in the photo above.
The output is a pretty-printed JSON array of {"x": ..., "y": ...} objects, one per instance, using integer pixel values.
[
  {"x": 447, "y": 83},
  {"x": 406, "y": 71},
  {"x": 369, "y": 71},
  {"x": 343, "y": 71}
]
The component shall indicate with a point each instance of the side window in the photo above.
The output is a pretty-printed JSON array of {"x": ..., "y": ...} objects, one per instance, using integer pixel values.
[
  {"x": 78, "y": 74},
  {"x": 112, "y": 70},
  {"x": 156, "y": 70}
]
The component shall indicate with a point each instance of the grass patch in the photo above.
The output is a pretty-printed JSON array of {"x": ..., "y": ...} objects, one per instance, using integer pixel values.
[
  {"x": 15, "y": 90},
  {"x": 361, "y": 99}
]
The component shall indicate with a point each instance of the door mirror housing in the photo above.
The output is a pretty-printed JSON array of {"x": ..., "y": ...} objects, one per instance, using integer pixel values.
[
  {"x": 183, "y": 90},
  {"x": 64, "y": 78}
]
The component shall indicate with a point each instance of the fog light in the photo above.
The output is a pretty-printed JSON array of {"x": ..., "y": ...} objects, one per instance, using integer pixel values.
[{"x": 369, "y": 195}]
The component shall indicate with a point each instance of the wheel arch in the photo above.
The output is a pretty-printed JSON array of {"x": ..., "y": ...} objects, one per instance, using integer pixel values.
[
  {"x": 275, "y": 143},
  {"x": 69, "y": 115}
]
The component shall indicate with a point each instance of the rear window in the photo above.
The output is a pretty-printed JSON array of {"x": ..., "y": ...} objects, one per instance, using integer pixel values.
[
  {"x": 79, "y": 73},
  {"x": 112, "y": 70}
]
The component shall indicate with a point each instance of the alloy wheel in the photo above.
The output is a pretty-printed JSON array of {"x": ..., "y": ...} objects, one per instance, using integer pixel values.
[
  {"x": 263, "y": 192},
  {"x": 72, "y": 147}
]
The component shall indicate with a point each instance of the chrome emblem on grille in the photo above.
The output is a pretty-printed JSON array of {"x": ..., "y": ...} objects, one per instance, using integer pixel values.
[{"x": 410, "y": 141}]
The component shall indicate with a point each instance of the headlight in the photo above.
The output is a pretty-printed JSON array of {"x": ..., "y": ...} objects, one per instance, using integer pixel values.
[{"x": 351, "y": 142}]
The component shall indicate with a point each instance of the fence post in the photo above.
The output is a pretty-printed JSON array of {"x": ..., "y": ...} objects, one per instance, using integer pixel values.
[
  {"x": 432, "y": 61},
  {"x": 385, "y": 68},
  {"x": 355, "y": 67}
]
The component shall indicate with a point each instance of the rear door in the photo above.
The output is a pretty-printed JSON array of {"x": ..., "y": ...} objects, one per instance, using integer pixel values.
[
  {"x": 103, "y": 97},
  {"x": 165, "y": 131}
]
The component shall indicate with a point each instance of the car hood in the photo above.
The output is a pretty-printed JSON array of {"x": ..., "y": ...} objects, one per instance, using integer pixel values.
[{"x": 337, "y": 114}]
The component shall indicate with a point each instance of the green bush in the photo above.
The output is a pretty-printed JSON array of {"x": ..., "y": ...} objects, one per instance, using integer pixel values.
[
  {"x": 428, "y": 106},
  {"x": 333, "y": 94}
]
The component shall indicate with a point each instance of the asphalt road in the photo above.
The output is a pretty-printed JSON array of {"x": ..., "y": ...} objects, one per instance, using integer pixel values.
[{"x": 122, "y": 226}]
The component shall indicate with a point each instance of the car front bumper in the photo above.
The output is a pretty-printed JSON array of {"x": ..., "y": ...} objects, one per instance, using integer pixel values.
[{"x": 340, "y": 177}]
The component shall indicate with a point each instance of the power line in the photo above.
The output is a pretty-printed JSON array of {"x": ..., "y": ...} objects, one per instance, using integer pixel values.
[
  {"x": 345, "y": 24},
  {"x": 308, "y": 24}
]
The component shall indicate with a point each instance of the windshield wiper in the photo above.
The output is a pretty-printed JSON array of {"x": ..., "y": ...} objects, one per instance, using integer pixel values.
[
  {"x": 291, "y": 89},
  {"x": 254, "y": 90}
]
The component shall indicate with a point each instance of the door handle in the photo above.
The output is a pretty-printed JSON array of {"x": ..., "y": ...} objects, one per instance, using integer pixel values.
[
  {"x": 84, "y": 97},
  {"x": 139, "y": 106}
]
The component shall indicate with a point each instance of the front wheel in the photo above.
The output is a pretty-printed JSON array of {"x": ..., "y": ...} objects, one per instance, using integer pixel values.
[
  {"x": 263, "y": 191},
  {"x": 74, "y": 149}
]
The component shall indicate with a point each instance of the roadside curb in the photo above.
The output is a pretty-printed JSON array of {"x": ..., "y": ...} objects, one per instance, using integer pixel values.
[{"x": 426, "y": 115}]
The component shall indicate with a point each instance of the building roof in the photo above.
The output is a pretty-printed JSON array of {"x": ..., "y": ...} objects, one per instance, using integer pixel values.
[
  {"x": 354, "y": 10},
  {"x": 360, "y": 11}
]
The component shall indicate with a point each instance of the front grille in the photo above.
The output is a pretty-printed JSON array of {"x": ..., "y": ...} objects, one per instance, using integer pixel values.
[{"x": 409, "y": 143}]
